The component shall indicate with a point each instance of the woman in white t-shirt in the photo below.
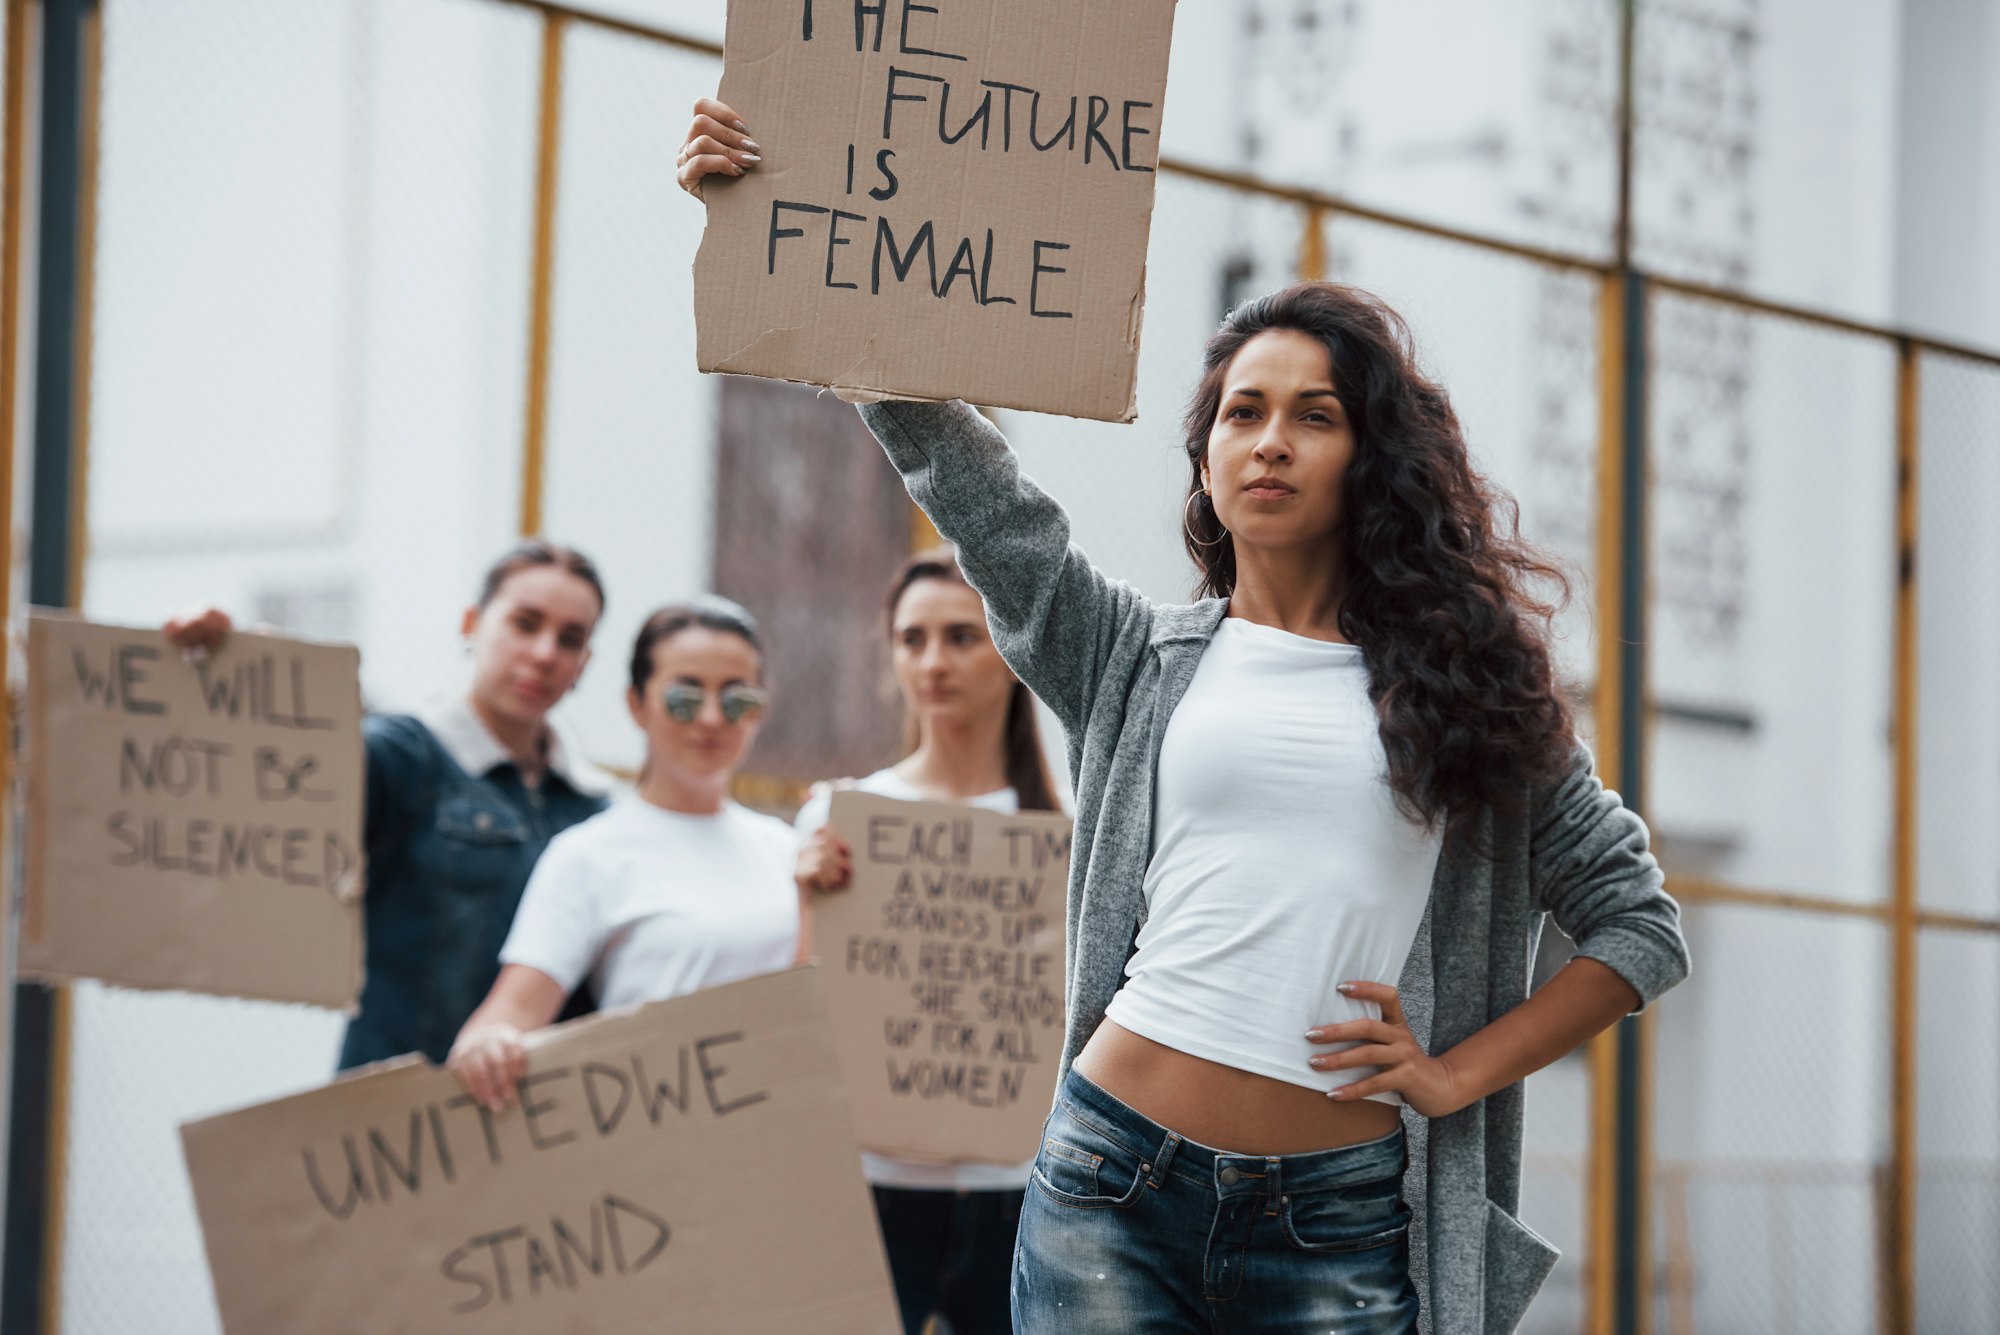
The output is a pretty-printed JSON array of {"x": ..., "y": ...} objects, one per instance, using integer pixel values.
[
  {"x": 971, "y": 733},
  {"x": 675, "y": 890}
]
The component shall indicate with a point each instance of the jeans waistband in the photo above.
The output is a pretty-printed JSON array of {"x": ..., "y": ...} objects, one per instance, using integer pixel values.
[{"x": 1169, "y": 1152}]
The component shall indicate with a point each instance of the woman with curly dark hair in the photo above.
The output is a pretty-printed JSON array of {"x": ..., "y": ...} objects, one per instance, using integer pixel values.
[{"x": 1321, "y": 816}]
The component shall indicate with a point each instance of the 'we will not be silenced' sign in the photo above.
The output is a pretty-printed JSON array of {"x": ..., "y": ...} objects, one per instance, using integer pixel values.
[
  {"x": 193, "y": 825},
  {"x": 954, "y": 201}
]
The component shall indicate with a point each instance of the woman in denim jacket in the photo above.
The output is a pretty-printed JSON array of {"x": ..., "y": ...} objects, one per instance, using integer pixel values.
[{"x": 461, "y": 801}]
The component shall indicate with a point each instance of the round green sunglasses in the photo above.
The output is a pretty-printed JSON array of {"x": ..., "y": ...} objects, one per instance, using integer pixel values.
[{"x": 740, "y": 702}]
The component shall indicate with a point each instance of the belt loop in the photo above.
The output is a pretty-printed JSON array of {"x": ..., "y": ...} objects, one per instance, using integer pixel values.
[
  {"x": 1274, "y": 1185},
  {"x": 1156, "y": 1171}
]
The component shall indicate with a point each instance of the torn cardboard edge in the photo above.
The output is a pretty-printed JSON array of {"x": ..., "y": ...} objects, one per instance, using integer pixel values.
[
  {"x": 30, "y": 973},
  {"x": 859, "y": 394}
]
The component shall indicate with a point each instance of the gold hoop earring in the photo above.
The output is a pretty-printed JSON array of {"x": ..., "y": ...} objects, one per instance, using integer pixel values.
[{"x": 1187, "y": 522}]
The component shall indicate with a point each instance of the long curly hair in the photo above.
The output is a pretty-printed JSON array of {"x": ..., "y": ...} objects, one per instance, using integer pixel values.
[{"x": 1452, "y": 610}]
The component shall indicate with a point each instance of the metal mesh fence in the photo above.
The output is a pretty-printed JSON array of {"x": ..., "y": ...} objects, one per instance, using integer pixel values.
[
  {"x": 1770, "y": 1126},
  {"x": 632, "y": 424},
  {"x": 1958, "y": 1136},
  {"x": 312, "y": 275},
  {"x": 312, "y": 271},
  {"x": 1772, "y": 626},
  {"x": 1958, "y": 999},
  {"x": 1527, "y": 151},
  {"x": 141, "y": 1065},
  {"x": 1958, "y": 587},
  {"x": 1772, "y": 529},
  {"x": 1516, "y": 344}
]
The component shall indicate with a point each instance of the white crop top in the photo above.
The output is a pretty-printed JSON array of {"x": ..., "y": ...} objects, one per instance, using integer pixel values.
[{"x": 1281, "y": 865}]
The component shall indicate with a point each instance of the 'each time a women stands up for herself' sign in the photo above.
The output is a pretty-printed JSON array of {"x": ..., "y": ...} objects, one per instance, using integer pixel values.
[
  {"x": 954, "y": 200},
  {"x": 944, "y": 975}
]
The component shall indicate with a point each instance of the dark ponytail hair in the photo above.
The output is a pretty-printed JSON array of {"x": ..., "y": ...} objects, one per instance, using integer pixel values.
[
  {"x": 709, "y": 612},
  {"x": 1027, "y": 766},
  {"x": 1441, "y": 593},
  {"x": 533, "y": 553}
]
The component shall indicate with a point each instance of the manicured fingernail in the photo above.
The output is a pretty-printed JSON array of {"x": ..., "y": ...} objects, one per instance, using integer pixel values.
[
  {"x": 1317, "y": 1063},
  {"x": 749, "y": 158},
  {"x": 753, "y": 145},
  {"x": 740, "y": 127},
  {"x": 1312, "y": 1035},
  {"x": 1345, "y": 988},
  {"x": 1336, "y": 1093},
  {"x": 735, "y": 169}
]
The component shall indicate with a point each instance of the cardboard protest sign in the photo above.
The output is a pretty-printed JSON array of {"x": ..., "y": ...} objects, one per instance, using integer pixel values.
[
  {"x": 944, "y": 964},
  {"x": 685, "y": 1166},
  {"x": 954, "y": 199},
  {"x": 193, "y": 825}
]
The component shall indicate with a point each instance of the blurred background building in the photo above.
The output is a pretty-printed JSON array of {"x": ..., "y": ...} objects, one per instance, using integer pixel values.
[{"x": 363, "y": 288}]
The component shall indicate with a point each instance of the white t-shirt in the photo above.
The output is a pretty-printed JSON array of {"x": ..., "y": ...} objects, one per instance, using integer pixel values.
[
  {"x": 880, "y": 1169},
  {"x": 1281, "y": 864},
  {"x": 653, "y": 904}
]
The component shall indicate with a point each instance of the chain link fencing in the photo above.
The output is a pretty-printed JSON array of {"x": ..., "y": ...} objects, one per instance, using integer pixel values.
[{"x": 1958, "y": 783}]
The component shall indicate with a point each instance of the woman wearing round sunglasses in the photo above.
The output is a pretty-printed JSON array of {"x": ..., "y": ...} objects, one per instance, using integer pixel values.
[
  {"x": 971, "y": 737},
  {"x": 675, "y": 890}
]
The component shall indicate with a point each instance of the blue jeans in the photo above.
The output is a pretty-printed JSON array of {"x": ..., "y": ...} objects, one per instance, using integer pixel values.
[{"x": 1129, "y": 1227}]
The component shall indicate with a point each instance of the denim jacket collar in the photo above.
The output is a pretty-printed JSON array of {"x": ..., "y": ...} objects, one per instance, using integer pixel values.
[{"x": 474, "y": 748}]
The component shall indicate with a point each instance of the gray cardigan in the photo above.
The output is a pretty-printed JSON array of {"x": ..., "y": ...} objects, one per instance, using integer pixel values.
[{"x": 1113, "y": 666}]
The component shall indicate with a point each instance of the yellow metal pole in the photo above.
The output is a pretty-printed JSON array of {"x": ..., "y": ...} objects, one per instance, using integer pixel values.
[
  {"x": 1312, "y": 244},
  {"x": 542, "y": 296},
  {"x": 1902, "y": 1258},
  {"x": 923, "y": 534},
  {"x": 13, "y": 157},
  {"x": 1600, "y": 1271},
  {"x": 1610, "y": 555},
  {"x": 12, "y": 168}
]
